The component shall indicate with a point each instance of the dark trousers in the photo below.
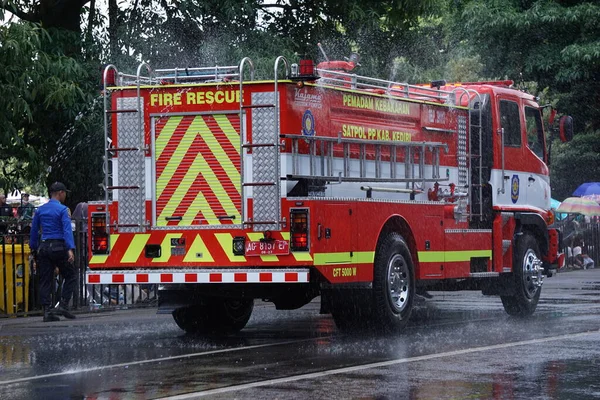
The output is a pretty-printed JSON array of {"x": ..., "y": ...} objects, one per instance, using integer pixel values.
[{"x": 50, "y": 256}]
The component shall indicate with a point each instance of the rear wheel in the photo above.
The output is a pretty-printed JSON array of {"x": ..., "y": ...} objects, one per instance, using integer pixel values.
[
  {"x": 215, "y": 317},
  {"x": 526, "y": 278},
  {"x": 393, "y": 284}
]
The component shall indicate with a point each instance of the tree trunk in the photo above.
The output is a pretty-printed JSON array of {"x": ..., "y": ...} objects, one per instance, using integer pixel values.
[{"x": 113, "y": 25}]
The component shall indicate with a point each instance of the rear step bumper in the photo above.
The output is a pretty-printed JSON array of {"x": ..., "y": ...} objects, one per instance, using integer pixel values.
[{"x": 280, "y": 275}]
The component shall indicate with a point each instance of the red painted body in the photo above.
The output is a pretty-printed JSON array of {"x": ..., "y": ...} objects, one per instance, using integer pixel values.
[{"x": 343, "y": 232}]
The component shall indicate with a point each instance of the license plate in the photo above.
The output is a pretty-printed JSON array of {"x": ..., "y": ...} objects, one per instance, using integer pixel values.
[{"x": 275, "y": 247}]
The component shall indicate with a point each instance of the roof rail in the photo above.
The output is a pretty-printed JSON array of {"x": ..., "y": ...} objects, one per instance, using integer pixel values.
[
  {"x": 398, "y": 89},
  {"x": 172, "y": 76}
]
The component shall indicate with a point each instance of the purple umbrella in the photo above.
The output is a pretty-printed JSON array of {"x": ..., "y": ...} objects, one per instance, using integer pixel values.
[{"x": 587, "y": 188}]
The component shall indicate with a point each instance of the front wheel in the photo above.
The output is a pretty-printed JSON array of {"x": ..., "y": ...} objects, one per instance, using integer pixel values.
[
  {"x": 526, "y": 278},
  {"x": 393, "y": 284}
]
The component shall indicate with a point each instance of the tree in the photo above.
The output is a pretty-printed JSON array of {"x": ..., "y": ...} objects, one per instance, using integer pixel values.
[
  {"x": 61, "y": 14},
  {"x": 554, "y": 43},
  {"x": 42, "y": 94},
  {"x": 575, "y": 163}
]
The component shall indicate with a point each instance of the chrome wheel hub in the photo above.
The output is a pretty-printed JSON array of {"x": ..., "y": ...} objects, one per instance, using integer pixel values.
[
  {"x": 398, "y": 283},
  {"x": 533, "y": 277}
]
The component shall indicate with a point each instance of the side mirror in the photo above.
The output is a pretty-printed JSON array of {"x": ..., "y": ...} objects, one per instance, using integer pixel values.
[{"x": 565, "y": 128}]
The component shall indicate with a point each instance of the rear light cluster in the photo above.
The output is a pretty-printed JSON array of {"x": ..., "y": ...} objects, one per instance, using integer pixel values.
[
  {"x": 299, "y": 230},
  {"x": 99, "y": 234}
]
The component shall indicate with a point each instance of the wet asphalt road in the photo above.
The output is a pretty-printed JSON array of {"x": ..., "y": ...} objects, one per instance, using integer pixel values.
[{"x": 459, "y": 345}]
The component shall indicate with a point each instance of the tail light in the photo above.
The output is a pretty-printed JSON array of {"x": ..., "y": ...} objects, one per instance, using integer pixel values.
[
  {"x": 299, "y": 230},
  {"x": 99, "y": 234}
]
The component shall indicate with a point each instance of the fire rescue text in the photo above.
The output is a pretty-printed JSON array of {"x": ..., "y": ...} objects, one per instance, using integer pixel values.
[{"x": 195, "y": 98}]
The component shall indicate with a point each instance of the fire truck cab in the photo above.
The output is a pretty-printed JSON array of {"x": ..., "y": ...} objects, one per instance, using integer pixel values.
[{"x": 222, "y": 189}]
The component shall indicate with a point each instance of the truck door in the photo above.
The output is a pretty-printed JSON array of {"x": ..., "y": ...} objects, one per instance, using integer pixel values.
[
  {"x": 196, "y": 168},
  {"x": 538, "y": 184},
  {"x": 509, "y": 178}
]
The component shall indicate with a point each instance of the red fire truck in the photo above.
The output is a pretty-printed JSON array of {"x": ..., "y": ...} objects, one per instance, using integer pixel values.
[{"x": 222, "y": 189}]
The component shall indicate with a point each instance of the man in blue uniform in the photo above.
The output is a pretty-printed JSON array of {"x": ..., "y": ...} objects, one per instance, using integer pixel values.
[{"x": 54, "y": 251}]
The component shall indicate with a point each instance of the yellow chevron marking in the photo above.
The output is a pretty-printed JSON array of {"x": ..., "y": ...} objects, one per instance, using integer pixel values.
[
  {"x": 220, "y": 153},
  {"x": 175, "y": 160},
  {"x": 165, "y": 247},
  {"x": 198, "y": 252},
  {"x": 199, "y": 202},
  {"x": 256, "y": 236},
  {"x": 165, "y": 135},
  {"x": 226, "y": 242},
  {"x": 135, "y": 248},
  {"x": 300, "y": 255},
  {"x": 102, "y": 258},
  {"x": 358, "y": 257},
  {"x": 219, "y": 191},
  {"x": 198, "y": 127},
  {"x": 452, "y": 256},
  {"x": 229, "y": 130}
]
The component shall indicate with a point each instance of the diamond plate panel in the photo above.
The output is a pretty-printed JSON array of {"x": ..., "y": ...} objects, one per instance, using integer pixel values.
[
  {"x": 265, "y": 163},
  {"x": 131, "y": 165},
  {"x": 462, "y": 151}
]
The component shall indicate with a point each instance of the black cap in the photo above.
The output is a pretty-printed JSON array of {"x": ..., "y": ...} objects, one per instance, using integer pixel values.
[
  {"x": 24, "y": 194},
  {"x": 57, "y": 187}
]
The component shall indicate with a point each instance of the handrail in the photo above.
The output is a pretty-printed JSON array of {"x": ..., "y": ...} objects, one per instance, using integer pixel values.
[
  {"x": 245, "y": 60},
  {"x": 399, "y": 89},
  {"x": 106, "y": 142},
  {"x": 141, "y": 128}
]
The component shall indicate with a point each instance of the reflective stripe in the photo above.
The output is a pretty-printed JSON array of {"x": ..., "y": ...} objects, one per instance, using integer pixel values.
[
  {"x": 102, "y": 258},
  {"x": 452, "y": 256},
  {"x": 358, "y": 257},
  {"x": 135, "y": 248},
  {"x": 208, "y": 276}
]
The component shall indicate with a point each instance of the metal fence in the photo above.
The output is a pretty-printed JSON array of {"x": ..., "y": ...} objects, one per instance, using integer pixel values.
[
  {"x": 19, "y": 281},
  {"x": 580, "y": 233}
]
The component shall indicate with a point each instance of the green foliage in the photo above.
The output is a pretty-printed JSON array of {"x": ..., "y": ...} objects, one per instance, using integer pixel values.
[
  {"x": 44, "y": 91},
  {"x": 52, "y": 118},
  {"x": 556, "y": 44},
  {"x": 575, "y": 163}
]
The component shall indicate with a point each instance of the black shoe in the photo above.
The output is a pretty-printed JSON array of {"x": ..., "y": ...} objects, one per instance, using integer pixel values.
[
  {"x": 49, "y": 315},
  {"x": 64, "y": 311}
]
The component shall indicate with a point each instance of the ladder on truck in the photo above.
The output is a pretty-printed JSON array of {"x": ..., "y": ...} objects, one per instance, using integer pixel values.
[
  {"x": 322, "y": 165},
  {"x": 131, "y": 151},
  {"x": 130, "y": 189},
  {"x": 472, "y": 155},
  {"x": 265, "y": 181}
]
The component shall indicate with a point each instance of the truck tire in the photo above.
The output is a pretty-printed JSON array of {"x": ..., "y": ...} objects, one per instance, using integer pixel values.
[
  {"x": 216, "y": 317},
  {"x": 525, "y": 277},
  {"x": 393, "y": 284}
]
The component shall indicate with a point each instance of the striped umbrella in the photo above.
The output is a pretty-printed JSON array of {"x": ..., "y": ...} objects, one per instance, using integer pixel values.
[
  {"x": 595, "y": 197},
  {"x": 578, "y": 205}
]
